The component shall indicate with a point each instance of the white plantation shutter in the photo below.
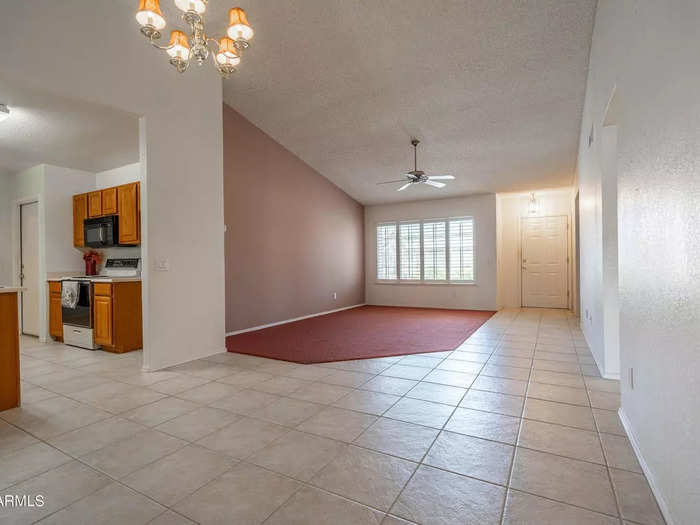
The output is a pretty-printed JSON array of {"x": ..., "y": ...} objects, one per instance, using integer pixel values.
[
  {"x": 461, "y": 249},
  {"x": 434, "y": 251},
  {"x": 409, "y": 251},
  {"x": 386, "y": 251}
]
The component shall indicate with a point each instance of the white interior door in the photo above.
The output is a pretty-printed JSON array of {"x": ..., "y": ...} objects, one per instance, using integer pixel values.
[
  {"x": 544, "y": 262},
  {"x": 29, "y": 267}
]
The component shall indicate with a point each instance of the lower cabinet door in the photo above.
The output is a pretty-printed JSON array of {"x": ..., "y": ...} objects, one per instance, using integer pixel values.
[
  {"x": 103, "y": 320},
  {"x": 55, "y": 322}
]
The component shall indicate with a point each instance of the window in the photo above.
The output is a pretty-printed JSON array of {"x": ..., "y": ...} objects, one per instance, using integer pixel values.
[
  {"x": 429, "y": 250},
  {"x": 409, "y": 254},
  {"x": 461, "y": 249},
  {"x": 386, "y": 251},
  {"x": 434, "y": 249}
]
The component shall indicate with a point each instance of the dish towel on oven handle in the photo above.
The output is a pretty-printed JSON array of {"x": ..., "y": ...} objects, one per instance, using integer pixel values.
[{"x": 70, "y": 290}]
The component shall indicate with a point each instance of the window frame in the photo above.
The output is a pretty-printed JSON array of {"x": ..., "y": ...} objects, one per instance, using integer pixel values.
[
  {"x": 423, "y": 281},
  {"x": 447, "y": 251},
  {"x": 376, "y": 255},
  {"x": 398, "y": 255},
  {"x": 463, "y": 281}
]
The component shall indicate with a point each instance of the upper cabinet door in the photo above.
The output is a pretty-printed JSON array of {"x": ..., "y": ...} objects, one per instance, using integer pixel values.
[
  {"x": 109, "y": 201},
  {"x": 94, "y": 204},
  {"x": 80, "y": 208},
  {"x": 129, "y": 213}
]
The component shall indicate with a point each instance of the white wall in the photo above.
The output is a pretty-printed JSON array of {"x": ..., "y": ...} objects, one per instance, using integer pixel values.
[
  {"x": 7, "y": 192},
  {"x": 118, "y": 176},
  {"x": 647, "y": 52},
  {"x": 512, "y": 207},
  {"x": 60, "y": 184},
  {"x": 479, "y": 296},
  {"x": 182, "y": 187},
  {"x": 609, "y": 361}
]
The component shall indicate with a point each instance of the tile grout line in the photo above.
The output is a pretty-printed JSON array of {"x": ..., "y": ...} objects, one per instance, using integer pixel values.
[
  {"x": 517, "y": 439},
  {"x": 432, "y": 443},
  {"x": 607, "y": 464}
]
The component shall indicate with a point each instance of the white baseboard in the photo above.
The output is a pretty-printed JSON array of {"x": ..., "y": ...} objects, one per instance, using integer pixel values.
[
  {"x": 655, "y": 489},
  {"x": 260, "y": 327},
  {"x": 600, "y": 368}
]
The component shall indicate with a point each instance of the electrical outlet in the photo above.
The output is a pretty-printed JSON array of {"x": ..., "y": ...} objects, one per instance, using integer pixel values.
[{"x": 335, "y": 295}]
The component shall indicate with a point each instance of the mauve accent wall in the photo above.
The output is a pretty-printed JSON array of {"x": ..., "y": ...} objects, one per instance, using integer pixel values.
[{"x": 293, "y": 238}]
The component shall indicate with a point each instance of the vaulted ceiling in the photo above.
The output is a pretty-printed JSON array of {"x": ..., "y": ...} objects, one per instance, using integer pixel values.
[{"x": 493, "y": 88}]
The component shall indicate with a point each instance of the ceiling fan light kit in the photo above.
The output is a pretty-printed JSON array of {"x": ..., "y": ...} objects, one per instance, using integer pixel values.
[
  {"x": 417, "y": 176},
  {"x": 4, "y": 112},
  {"x": 183, "y": 48}
]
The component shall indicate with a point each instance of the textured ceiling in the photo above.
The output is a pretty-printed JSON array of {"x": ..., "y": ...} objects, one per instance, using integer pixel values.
[
  {"x": 493, "y": 88},
  {"x": 45, "y": 129}
]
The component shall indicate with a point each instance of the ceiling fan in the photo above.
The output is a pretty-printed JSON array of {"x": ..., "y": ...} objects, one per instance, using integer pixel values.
[{"x": 418, "y": 176}]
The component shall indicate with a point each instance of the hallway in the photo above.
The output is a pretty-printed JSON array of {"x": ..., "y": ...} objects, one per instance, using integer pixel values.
[{"x": 514, "y": 426}]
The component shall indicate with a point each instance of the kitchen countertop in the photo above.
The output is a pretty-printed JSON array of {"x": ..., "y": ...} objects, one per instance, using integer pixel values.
[
  {"x": 10, "y": 289},
  {"x": 97, "y": 278}
]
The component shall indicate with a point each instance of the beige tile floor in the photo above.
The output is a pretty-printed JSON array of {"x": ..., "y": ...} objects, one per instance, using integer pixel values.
[{"x": 514, "y": 426}]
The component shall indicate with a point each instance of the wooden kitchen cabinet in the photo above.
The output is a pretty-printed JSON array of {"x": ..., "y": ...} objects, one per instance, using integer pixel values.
[
  {"x": 109, "y": 201},
  {"x": 123, "y": 201},
  {"x": 95, "y": 204},
  {"x": 9, "y": 352},
  {"x": 117, "y": 325},
  {"x": 80, "y": 213},
  {"x": 55, "y": 315},
  {"x": 129, "y": 213},
  {"x": 102, "y": 328}
]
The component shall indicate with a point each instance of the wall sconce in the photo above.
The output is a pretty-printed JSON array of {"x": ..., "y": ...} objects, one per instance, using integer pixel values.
[{"x": 532, "y": 204}]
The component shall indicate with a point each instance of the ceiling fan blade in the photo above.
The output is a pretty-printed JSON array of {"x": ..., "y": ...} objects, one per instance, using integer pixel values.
[
  {"x": 392, "y": 181},
  {"x": 404, "y": 186},
  {"x": 436, "y": 184},
  {"x": 441, "y": 177}
]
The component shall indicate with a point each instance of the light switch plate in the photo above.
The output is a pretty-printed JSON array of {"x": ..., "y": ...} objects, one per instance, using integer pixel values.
[{"x": 161, "y": 264}]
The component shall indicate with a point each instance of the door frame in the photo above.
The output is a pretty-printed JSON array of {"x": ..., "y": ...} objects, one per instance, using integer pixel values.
[
  {"x": 568, "y": 257},
  {"x": 21, "y": 264},
  {"x": 41, "y": 265}
]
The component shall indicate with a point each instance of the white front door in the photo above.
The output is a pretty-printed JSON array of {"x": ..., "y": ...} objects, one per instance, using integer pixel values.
[
  {"x": 29, "y": 267},
  {"x": 544, "y": 262}
]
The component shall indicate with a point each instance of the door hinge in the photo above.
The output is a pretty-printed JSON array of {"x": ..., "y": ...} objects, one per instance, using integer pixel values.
[
  {"x": 567, "y": 260},
  {"x": 567, "y": 293}
]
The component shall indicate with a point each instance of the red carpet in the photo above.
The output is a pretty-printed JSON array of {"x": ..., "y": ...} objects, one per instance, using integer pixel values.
[{"x": 361, "y": 333}]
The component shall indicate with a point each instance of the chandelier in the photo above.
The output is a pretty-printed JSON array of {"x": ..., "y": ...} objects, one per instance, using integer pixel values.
[{"x": 183, "y": 48}]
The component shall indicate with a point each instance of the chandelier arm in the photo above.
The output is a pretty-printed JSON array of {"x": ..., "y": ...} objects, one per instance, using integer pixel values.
[{"x": 157, "y": 46}]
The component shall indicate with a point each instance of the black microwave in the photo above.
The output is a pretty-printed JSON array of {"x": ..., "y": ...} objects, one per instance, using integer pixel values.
[{"x": 101, "y": 232}]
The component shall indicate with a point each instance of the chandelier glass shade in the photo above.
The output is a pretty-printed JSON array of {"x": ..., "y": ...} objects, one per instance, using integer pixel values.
[{"x": 184, "y": 47}]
